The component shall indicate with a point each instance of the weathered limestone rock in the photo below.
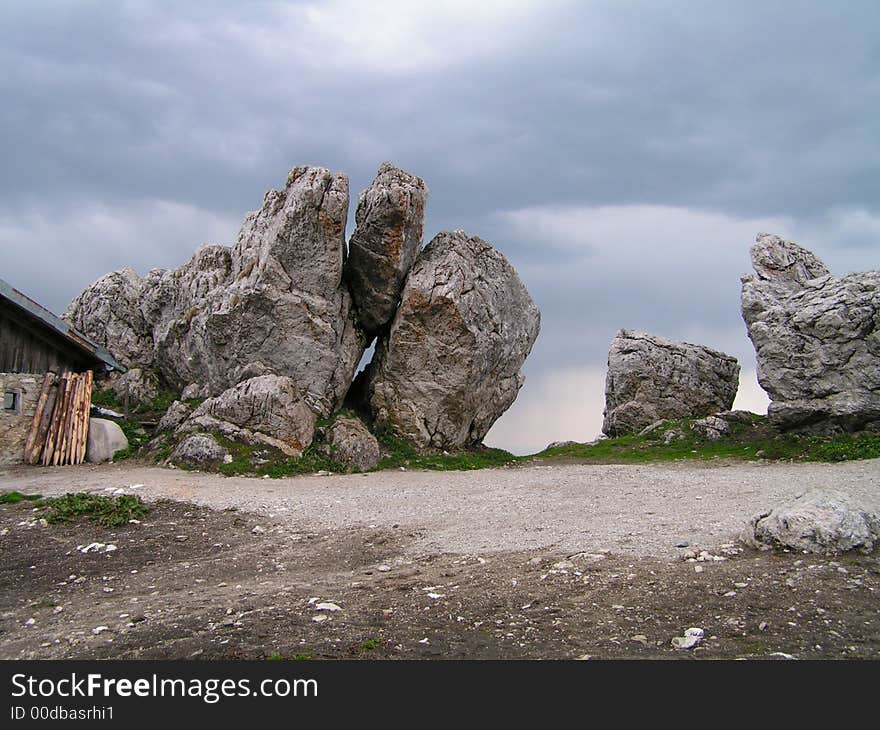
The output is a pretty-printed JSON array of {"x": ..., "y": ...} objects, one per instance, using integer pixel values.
[
  {"x": 199, "y": 451},
  {"x": 351, "y": 445},
  {"x": 267, "y": 410},
  {"x": 652, "y": 378},
  {"x": 104, "y": 440},
  {"x": 274, "y": 303},
  {"x": 817, "y": 339},
  {"x": 137, "y": 386},
  {"x": 390, "y": 219},
  {"x": 822, "y": 521},
  {"x": 712, "y": 427},
  {"x": 450, "y": 365},
  {"x": 176, "y": 414},
  {"x": 109, "y": 312}
]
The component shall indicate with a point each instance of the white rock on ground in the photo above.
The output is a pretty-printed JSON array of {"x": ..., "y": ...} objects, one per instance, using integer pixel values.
[
  {"x": 824, "y": 520},
  {"x": 104, "y": 440}
]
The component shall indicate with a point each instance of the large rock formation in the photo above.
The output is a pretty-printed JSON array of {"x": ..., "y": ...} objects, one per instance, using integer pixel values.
[
  {"x": 651, "y": 378},
  {"x": 450, "y": 365},
  {"x": 274, "y": 303},
  {"x": 271, "y": 330},
  {"x": 816, "y": 336},
  {"x": 390, "y": 218}
]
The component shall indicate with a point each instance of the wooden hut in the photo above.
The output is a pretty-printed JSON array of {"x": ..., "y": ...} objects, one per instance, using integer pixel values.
[{"x": 46, "y": 375}]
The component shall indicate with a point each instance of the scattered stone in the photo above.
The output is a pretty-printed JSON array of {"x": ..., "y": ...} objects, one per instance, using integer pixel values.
[
  {"x": 712, "y": 427},
  {"x": 320, "y": 619},
  {"x": 328, "y": 606},
  {"x": 652, "y": 378},
  {"x": 383, "y": 568},
  {"x": 199, "y": 451},
  {"x": 692, "y": 637},
  {"x": 30, "y": 622},
  {"x": 815, "y": 338},
  {"x": 823, "y": 520},
  {"x": 258, "y": 530},
  {"x": 100, "y": 630},
  {"x": 105, "y": 439}
]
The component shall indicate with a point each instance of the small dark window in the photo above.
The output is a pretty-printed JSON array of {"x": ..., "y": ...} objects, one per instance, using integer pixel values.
[{"x": 10, "y": 401}]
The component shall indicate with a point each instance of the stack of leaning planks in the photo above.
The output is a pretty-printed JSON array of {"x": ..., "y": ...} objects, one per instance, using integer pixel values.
[{"x": 60, "y": 429}]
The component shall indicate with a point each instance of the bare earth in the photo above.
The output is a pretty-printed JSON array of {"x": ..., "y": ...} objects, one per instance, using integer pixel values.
[{"x": 538, "y": 561}]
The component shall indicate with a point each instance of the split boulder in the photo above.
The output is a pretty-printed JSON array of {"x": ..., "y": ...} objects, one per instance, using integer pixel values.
[{"x": 450, "y": 365}]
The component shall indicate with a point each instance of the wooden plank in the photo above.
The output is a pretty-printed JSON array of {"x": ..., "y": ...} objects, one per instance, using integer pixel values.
[
  {"x": 70, "y": 425},
  {"x": 63, "y": 414},
  {"x": 31, "y": 442},
  {"x": 52, "y": 437},
  {"x": 46, "y": 422},
  {"x": 87, "y": 405}
]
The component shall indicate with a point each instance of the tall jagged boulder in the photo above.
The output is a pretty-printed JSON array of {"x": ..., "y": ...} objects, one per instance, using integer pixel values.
[
  {"x": 652, "y": 378},
  {"x": 273, "y": 304},
  {"x": 390, "y": 220},
  {"x": 816, "y": 337},
  {"x": 450, "y": 365}
]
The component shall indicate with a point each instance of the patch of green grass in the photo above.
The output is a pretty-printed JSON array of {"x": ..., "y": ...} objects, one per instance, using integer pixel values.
[
  {"x": 748, "y": 441},
  {"x": 276, "y": 657},
  {"x": 16, "y": 497},
  {"x": 105, "y": 398},
  {"x": 371, "y": 644},
  {"x": 301, "y": 658},
  {"x": 399, "y": 452},
  {"x": 105, "y": 511}
]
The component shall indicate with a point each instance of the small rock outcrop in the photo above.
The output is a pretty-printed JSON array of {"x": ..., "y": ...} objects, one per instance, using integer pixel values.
[
  {"x": 349, "y": 443},
  {"x": 816, "y": 337},
  {"x": 652, "y": 379},
  {"x": 199, "y": 451},
  {"x": 267, "y": 410},
  {"x": 821, "y": 521},
  {"x": 105, "y": 439},
  {"x": 450, "y": 365},
  {"x": 176, "y": 414},
  {"x": 390, "y": 220}
]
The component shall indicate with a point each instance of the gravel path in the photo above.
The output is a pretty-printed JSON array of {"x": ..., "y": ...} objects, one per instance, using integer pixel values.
[{"x": 641, "y": 510}]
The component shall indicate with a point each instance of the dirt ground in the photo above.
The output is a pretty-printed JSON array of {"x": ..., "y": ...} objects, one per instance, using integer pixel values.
[{"x": 191, "y": 582}]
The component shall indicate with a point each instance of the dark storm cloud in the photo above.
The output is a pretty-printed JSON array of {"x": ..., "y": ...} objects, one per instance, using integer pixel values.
[{"x": 623, "y": 155}]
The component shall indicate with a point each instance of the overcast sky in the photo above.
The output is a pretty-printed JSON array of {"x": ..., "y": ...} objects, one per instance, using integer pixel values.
[{"x": 622, "y": 155}]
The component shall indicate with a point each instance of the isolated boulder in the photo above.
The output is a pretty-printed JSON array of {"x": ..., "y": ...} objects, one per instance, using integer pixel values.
[
  {"x": 816, "y": 337},
  {"x": 712, "y": 427},
  {"x": 274, "y": 303},
  {"x": 349, "y": 443},
  {"x": 821, "y": 521},
  {"x": 390, "y": 220},
  {"x": 450, "y": 365},
  {"x": 267, "y": 410},
  {"x": 652, "y": 379},
  {"x": 105, "y": 439},
  {"x": 199, "y": 451}
]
